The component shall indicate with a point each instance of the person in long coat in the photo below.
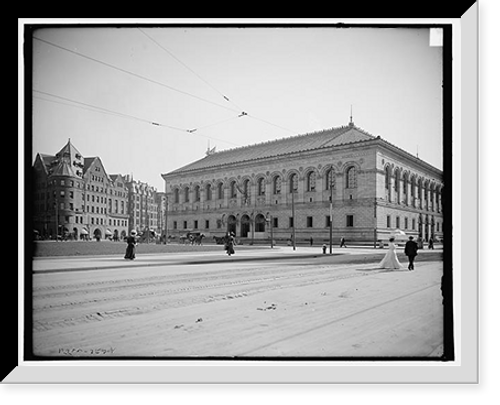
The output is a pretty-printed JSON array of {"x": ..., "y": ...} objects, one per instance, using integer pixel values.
[
  {"x": 131, "y": 243},
  {"x": 411, "y": 249},
  {"x": 229, "y": 243},
  {"x": 390, "y": 260}
]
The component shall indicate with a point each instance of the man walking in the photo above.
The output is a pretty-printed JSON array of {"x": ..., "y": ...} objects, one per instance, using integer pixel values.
[
  {"x": 342, "y": 242},
  {"x": 411, "y": 248}
]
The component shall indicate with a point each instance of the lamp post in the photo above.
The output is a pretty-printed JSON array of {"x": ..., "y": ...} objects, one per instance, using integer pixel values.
[
  {"x": 269, "y": 220},
  {"x": 166, "y": 215},
  {"x": 331, "y": 211}
]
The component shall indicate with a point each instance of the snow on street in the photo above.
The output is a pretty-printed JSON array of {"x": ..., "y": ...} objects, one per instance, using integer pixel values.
[{"x": 282, "y": 308}]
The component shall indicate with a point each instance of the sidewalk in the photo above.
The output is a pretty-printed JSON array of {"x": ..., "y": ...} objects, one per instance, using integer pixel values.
[{"x": 75, "y": 263}]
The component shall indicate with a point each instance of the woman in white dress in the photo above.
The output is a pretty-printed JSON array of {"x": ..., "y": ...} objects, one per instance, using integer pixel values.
[{"x": 390, "y": 260}]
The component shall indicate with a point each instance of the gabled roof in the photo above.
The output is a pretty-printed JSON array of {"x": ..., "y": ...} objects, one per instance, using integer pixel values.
[
  {"x": 70, "y": 152},
  {"x": 87, "y": 163},
  {"x": 299, "y": 143},
  {"x": 64, "y": 163},
  {"x": 90, "y": 161}
]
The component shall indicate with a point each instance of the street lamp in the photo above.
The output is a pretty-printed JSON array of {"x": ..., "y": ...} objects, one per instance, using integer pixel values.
[
  {"x": 269, "y": 220},
  {"x": 331, "y": 210}
]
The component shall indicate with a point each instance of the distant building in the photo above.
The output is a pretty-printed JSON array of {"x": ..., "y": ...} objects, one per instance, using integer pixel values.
[
  {"x": 161, "y": 203},
  {"x": 284, "y": 187},
  {"x": 75, "y": 198},
  {"x": 143, "y": 208}
]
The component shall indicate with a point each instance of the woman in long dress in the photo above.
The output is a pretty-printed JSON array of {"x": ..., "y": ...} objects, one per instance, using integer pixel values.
[
  {"x": 390, "y": 260},
  {"x": 131, "y": 243},
  {"x": 229, "y": 243}
]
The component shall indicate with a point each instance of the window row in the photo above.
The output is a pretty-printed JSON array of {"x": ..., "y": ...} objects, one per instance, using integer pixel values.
[
  {"x": 99, "y": 221},
  {"x": 260, "y": 225},
  {"x": 277, "y": 186},
  {"x": 77, "y": 184},
  {"x": 414, "y": 223},
  {"x": 405, "y": 186}
]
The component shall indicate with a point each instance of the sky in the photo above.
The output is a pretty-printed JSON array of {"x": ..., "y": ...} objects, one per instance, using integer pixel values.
[{"x": 148, "y": 100}]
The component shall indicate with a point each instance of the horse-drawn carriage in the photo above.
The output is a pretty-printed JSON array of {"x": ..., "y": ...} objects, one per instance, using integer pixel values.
[
  {"x": 193, "y": 238},
  {"x": 219, "y": 240}
]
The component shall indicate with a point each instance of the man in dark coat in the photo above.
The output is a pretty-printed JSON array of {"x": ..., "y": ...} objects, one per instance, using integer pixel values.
[{"x": 411, "y": 248}]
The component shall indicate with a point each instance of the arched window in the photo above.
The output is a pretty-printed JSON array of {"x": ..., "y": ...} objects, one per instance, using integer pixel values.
[
  {"x": 293, "y": 182},
  {"x": 405, "y": 188},
  {"x": 351, "y": 177},
  {"x": 387, "y": 178},
  {"x": 186, "y": 194},
  {"x": 396, "y": 185},
  {"x": 261, "y": 186},
  {"x": 277, "y": 185},
  {"x": 208, "y": 192},
  {"x": 197, "y": 193},
  {"x": 437, "y": 200},
  {"x": 432, "y": 195},
  {"x": 220, "y": 190},
  {"x": 176, "y": 195},
  {"x": 412, "y": 190},
  {"x": 246, "y": 191},
  {"x": 330, "y": 179},
  {"x": 232, "y": 189},
  {"x": 311, "y": 181}
]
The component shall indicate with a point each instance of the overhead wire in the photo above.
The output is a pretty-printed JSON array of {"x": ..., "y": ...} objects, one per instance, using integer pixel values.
[
  {"x": 128, "y": 72},
  {"x": 162, "y": 47},
  {"x": 125, "y": 71},
  {"x": 209, "y": 84},
  {"x": 95, "y": 108}
]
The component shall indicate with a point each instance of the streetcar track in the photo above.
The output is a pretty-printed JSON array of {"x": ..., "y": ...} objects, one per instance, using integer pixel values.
[
  {"x": 341, "y": 319},
  {"x": 270, "y": 283}
]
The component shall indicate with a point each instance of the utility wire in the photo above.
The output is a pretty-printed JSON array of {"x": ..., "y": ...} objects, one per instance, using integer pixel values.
[
  {"x": 94, "y": 108},
  {"x": 106, "y": 111},
  {"x": 209, "y": 84},
  {"x": 135, "y": 74},
  {"x": 242, "y": 113},
  {"x": 270, "y": 123},
  {"x": 188, "y": 68}
]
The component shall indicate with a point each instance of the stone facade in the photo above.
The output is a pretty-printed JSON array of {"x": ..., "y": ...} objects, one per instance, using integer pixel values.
[
  {"x": 376, "y": 188},
  {"x": 75, "y": 198},
  {"x": 143, "y": 213}
]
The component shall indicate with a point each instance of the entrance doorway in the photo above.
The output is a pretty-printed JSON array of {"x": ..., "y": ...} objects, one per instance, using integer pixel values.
[
  {"x": 260, "y": 223},
  {"x": 231, "y": 224},
  {"x": 97, "y": 234},
  {"x": 245, "y": 226}
]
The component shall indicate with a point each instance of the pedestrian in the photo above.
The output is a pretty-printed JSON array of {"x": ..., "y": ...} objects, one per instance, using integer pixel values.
[
  {"x": 131, "y": 244},
  {"x": 311, "y": 241},
  {"x": 229, "y": 243},
  {"x": 411, "y": 248},
  {"x": 431, "y": 243},
  {"x": 342, "y": 242},
  {"x": 390, "y": 260}
]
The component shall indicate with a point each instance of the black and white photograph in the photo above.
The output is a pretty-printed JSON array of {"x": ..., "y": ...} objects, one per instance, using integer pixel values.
[{"x": 238, "y": 192}]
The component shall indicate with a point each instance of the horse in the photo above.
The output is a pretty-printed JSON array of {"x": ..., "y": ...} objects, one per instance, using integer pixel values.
[
  {"x": 219, "y": 240},
  {"x": 196, "y": 239}
]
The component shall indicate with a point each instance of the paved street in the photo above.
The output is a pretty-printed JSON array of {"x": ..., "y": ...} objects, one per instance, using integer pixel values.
[{"x": 259, "y": 303}]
